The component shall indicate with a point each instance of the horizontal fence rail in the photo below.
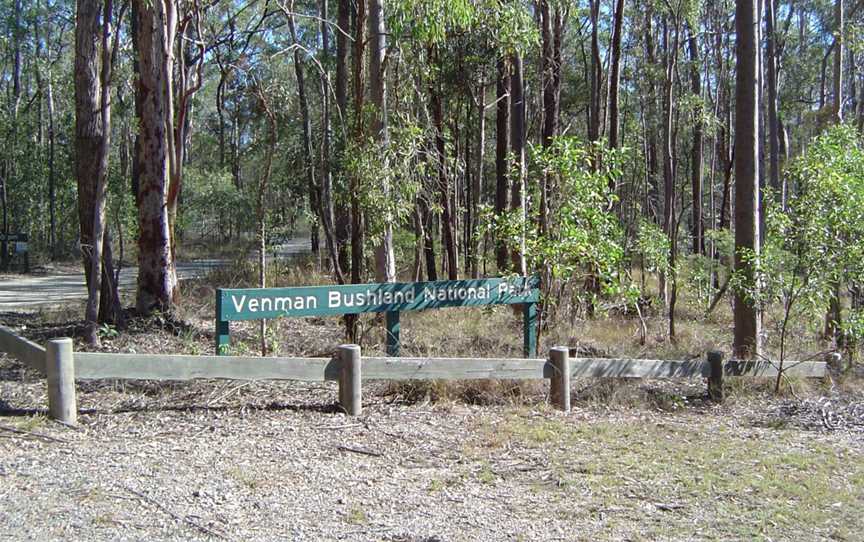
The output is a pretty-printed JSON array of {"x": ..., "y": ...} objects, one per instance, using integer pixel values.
[
  {"x": 91, "y": 366},
  {"x": 63, "y": 367},
  {"x": 28, "y": 352},
  {"x": 389, "y": 368},
  {"x": 649, "y": 368}
]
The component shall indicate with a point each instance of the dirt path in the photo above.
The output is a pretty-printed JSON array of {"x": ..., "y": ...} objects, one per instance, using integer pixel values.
[{"x": 26, "y": 293}]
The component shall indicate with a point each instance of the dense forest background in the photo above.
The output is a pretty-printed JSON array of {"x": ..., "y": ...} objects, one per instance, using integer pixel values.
[{"x": 623, "y": 151}]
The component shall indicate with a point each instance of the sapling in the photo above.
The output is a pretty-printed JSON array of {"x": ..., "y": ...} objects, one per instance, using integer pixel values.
[{"x": 811, "y": 246}]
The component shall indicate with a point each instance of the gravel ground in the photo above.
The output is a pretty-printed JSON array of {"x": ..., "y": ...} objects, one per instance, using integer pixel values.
[
  {"x": 267, "y": 461},
  {"x": 258, "y": 461}
]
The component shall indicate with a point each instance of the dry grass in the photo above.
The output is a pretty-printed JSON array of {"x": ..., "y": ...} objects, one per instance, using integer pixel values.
[
  {"x": 494, "y": 331},
  {"x": 663, "y": 479}
]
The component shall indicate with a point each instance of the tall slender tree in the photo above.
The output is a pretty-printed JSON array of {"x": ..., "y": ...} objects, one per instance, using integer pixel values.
[
  {"x": 385, "y": 260},
  {"x": 502, "y": 144},
  {"x": 747, "y": 327},
  {"x": 157, "y": 274},
  {"x": 93, "y": 67},
  {"x": 517, "y": 150}
]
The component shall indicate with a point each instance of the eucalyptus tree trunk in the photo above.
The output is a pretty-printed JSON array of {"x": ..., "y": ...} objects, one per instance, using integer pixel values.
[
  {"x": 343, "y": 215},
  {"x": 670, "y": 45},
  {"x": 502, "y": 144},
  {"x": 93, "y": 63},
  {"x": 261, "y": 203},
  {"x": 428, "y": 224},
  {"x": 477, "y": 186},
  {"x": 157, "y": 275},
  {"x": 359, "y": 132},
  {"x": 771, "y": 63},
  {"x": 594, "y": 124},
  {"x": 385, "y": 260},
  {"x": 615, "y": 74},
  {"x": 91, "y": 166},
  {"x": 52, "y": 169},
  {"x": 747, "y": 326},
  {"x": 184, "y": 81},
  {"x": 839, "y": 28},
  {"x": 48, "y": 85},
  {"x": 552, "y": 23},
  {"x": 327, "y": 218},
  {"x": 311, "y": 184},
  {"x": 517, "y": 149},
  {"x": 447, "y": 214},
  {"x": 652, "y": 200},
  {"x": 833, "y": 316},
  {"x": 696, "y": 155}
]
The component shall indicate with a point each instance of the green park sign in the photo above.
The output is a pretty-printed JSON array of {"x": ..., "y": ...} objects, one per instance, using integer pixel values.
[{"x": 390, "y": 298}]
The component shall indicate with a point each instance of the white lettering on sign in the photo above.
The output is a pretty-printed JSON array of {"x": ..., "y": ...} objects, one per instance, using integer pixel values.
[
  {"x": 270, "y": 304},
  {"x": 456, "y": 293},
  {"x": 368, "y": 298},
  {"x": 514, "y": 289},
  {"x": 380, "y": 299}
]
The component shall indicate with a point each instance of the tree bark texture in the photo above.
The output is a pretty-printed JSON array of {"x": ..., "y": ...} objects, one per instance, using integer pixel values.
[
  {"x": 327, "y": 217},
  {"x": 385, "y": 260},
  {"x": 517, "y": 149},
  {"x": 839, "y": 27},
  {"x": 157, "y": 275},
  {"x": 615, "y": 74},
  {"x": 696, "y": 156},
  {"x": 93, "y": 64},
  {"x": 595, "y": 74},
  {"x": 502, "y": 144},
  {"x": 746, "y": 341},
  {"x": 447, "y": 215}
]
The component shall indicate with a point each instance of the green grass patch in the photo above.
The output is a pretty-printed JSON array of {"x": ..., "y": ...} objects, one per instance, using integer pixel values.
[{"x": 662, "y": 479}]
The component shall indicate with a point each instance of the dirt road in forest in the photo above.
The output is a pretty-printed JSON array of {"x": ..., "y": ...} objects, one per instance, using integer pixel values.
[{"x": 26, "y": 293}]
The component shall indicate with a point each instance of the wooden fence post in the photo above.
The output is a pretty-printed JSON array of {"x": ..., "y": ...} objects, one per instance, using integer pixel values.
[
  {"x": 715, "y": 381},
  {"x": 835, "y": 362},
  {"x": 60, "y": 368},
  {"x": 559, "y": 386},
  {"x": 350, "y": 379}
]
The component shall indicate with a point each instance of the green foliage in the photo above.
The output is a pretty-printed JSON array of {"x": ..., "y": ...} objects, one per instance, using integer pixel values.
[
  {"x": 389, "y": 174},
  {"x": 511, "y": 24},
  {"x": 211, "y": 203},
  {"x": 107, "y": 331},
  {"x": 654, "y": 247},
  {"x": 698, "y": 272},
  {"x": 514, "y": 28},
  {"x": 583, "y": 233},
  {"x": 430, "y": 20},
  {"x": 583, "y": 237},
  {"x": 853, "y": 326},
  {"x": 814, "y": 243}
]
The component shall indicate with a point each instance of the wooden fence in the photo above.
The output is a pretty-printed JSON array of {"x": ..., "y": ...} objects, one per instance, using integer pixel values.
[{"x": 62, "y": 368}]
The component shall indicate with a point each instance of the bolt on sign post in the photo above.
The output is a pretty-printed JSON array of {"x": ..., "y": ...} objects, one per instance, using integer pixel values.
[{"x": 390, "y": 298}]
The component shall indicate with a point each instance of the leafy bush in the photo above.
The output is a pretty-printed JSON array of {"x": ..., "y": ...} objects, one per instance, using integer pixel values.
[{"x": 814, "y": 242}]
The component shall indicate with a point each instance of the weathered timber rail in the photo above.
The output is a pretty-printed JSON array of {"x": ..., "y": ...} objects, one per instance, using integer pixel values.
[{"x": 62, "y": 367}]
